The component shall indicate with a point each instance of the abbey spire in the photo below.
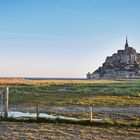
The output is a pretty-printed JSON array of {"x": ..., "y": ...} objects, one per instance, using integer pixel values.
[{"x": 126, "y": 44}]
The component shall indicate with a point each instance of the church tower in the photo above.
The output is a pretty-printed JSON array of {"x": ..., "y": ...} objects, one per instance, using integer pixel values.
[{"x": 126, "y": 44}]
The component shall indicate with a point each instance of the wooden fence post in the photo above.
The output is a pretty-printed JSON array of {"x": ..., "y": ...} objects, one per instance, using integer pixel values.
[
  {"x": 1, "y": 103},
  {"x": 37, "y": 112},
  {"x": 91, "y": 114},
  {"x": 6, "y": 94}
]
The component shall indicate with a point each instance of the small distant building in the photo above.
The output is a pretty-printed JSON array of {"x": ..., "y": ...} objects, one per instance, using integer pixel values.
[{"x": 125, "y": 64}]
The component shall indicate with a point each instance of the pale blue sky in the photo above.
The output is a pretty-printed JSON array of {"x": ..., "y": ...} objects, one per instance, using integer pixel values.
[{"x": 64, "y": 38}]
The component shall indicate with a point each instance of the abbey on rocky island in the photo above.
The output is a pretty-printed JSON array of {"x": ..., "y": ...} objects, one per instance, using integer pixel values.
[{"x": 125, "y": 64}]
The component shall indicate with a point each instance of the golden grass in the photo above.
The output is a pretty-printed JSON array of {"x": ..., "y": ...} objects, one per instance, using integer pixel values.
[{"x": 5, "y": 81}]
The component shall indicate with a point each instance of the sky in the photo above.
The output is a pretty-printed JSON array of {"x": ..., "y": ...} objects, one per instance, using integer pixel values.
[{"x": 64, "y": 38}]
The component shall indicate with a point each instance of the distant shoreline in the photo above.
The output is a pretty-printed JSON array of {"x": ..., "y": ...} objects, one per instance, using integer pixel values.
[
  {"x": 42, "y": 78},
  {"x": 34, "y": 78}
]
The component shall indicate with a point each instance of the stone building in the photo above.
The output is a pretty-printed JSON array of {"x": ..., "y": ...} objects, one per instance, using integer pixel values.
[{"x": 125, "y": 64}]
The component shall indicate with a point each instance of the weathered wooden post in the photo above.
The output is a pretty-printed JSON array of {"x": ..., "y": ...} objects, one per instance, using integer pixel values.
[
  {"x": 6, "y": 94},
  {"x": 1, "y": 104},
  {"x": 37, "y": 112},
  {"x": 91, "y": 114}
]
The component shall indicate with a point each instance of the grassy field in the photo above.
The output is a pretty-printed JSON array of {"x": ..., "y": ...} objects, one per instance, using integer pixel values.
[
  {"x": 100, "y": 93},
  {"x": 73, "y": 92}
]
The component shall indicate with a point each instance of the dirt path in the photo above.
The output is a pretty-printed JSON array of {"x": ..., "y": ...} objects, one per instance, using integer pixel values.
[
  {"x": 116, "y": 112},
  {"x": 110, "y": 109}
]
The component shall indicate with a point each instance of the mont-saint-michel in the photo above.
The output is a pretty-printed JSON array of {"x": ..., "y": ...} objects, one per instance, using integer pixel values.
[{"x": 125, "y": 64}]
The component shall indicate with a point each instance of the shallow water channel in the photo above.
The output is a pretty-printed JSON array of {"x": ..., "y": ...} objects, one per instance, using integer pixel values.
[{"x": 17, "y": 114}]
